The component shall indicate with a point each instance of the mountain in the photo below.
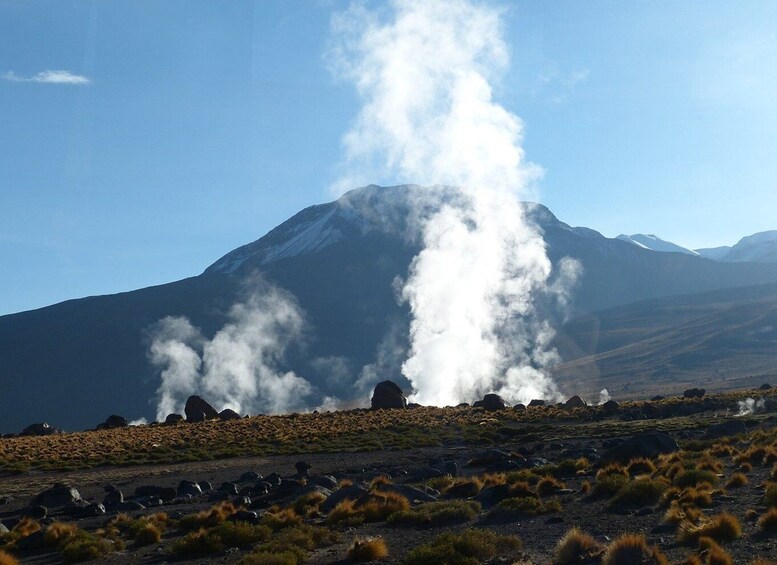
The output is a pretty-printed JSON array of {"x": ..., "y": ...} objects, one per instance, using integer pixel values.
[
  {"x": 655, "y": 243},
  {"x": 74, "y": 363},
  {"x": 724, "y": 339},
  {"x": 760, "y": 247}
]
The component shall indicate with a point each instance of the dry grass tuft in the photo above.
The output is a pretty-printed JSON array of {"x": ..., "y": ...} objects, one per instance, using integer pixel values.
[
  {"x": 575, "y": 547},
  {"x": 380, "y": 505},
  {"x": 465, "y": 547},
  {"x": 207, "y": 518},
  {"x": 59, "y": 532},
  {"x": 641, "y": 466},
  {"x": 770, "y": 494},
  {"x": 639, "y": 492},
  {"x": 737, "y": 480},
  {"x": 368, "y": 550},
  {"x": 722, "y": 528},
  {"x": 7, "y": 558},
  {"x": 768, "y": 522},
  {"x": 549, "y": 485},
  {"x": 713, "y": 553},
  {"x": 630, "y": 549}
]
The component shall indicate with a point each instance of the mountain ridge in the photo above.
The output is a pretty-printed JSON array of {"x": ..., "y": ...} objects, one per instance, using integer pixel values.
[{"x": 70, "y": 363}]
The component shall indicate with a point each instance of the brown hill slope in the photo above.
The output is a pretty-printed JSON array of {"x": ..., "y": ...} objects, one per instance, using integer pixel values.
[{"x": 719, "y": 341}]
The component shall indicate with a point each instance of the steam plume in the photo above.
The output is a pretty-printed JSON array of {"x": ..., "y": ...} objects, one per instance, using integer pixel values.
[
  {"x": 237, "y": 368},
  {"x": 424, "y": 72}
]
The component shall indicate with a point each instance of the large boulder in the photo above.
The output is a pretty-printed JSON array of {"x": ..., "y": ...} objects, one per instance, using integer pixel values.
[
  {"x": 173, "y": 419},
  {"x": 113, "y": 421},
  {"x": 694, "y": 393},
  {"x": 387, "y": 394},
  {"x": 575, "y": 402},
  {"x": 611, "y": 407},
  {"x": 649, "y": 445},
  {"x": 491, "y": 402},
  {"x": 58, "y": 495},
  {"x": 41, "y": 429},
  {"x": 198, "y": 410},
  {"x": 228, "y": 414}
]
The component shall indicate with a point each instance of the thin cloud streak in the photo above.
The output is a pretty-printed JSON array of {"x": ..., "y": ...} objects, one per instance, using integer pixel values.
[{"x": 50, "y": 77}]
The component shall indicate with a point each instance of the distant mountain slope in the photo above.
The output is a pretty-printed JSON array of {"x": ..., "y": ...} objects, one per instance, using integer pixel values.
[
  {"x": 760, "y": 248},
  {"x": 655, "y": 243},
  {"x": 718, "y": 340},
  {"x": 75, "y": 363}
]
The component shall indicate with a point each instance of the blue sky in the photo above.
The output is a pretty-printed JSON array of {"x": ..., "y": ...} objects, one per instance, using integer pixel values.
[{"x": 183, "y": 129}]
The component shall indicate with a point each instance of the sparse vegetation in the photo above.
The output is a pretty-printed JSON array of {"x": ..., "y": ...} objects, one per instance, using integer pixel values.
[
  {"x": 722, "y": 528},
  {"x": 768, "y": 522},
  {"x": 737, "y": 480},
  {"x": 575, "y": 547},
  {"x": 630, "y": 549},
  {"x": 437, "y": 513},
  {"x": 683, "y": 484},
  {"x": 469, "y": 547},
  {"x": 368, "y": 550},
  {"x": 226, "y": 534},
  {"x": 639, "y": 492}
]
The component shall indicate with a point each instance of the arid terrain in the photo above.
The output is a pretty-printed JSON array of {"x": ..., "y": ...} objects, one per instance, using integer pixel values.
[{"x": 693, "y": 479}]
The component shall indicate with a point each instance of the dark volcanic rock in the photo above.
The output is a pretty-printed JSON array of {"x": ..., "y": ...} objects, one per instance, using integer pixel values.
[
  {"x": 491, "y": 402},
  {"x": 58, "y": 495},
  {"x": 113, "y": 421},
  {"x": 228, "y": 414},
  {"x": 37, "y": 512},
  {"x": 519, "y": 407},
  {"x": 189, "y": 488},
  {"x": 166, "y": 494},
  {"x": 575, "y": 402},
  {"x": 729, "y": 428},
  {"x": 387, "y": 394},
  {"x": 229, "y": 488},
  {"x": 651, "y": 411},
  {"x": 648, "y": 445},
  {"x": 694, "y": 393},
  {"x": 537, "y": 402},
  {"x": 302, "y": 468},
  {"x": 198, "y": 410},
  {"x": 113, "y": 499},
  {"x": 249, "y": 476},
  {"x": 173, "y": 419},
  {"x": 41, "y": 429},
  {"x": 765, "y": 386},
  {"x": 354, "y": 492},
  {"x": 611, "y": 407}
]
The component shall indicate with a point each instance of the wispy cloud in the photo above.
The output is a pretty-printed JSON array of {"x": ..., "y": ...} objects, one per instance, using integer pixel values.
[{"x": 49, "y": 77}]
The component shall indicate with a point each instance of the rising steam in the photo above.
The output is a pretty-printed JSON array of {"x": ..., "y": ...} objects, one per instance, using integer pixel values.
[
  {"x": 424, "y": 72},
  {"x": 237, "y": 368}
]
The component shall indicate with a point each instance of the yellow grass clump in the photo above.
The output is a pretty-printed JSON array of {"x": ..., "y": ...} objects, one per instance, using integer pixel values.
[
  {"x": 368, "y": 550},
  {"x": 576, "y": 546},
  {"x": 630, "y": 549},
  {"x": 722, "y": 527}
]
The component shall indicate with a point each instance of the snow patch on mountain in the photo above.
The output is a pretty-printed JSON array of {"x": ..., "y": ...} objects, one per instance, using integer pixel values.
[{"x": 655, "y": 243}]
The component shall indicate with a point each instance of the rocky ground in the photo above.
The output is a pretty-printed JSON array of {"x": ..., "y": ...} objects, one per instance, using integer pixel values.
[{"x": 558, "y": 464}]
